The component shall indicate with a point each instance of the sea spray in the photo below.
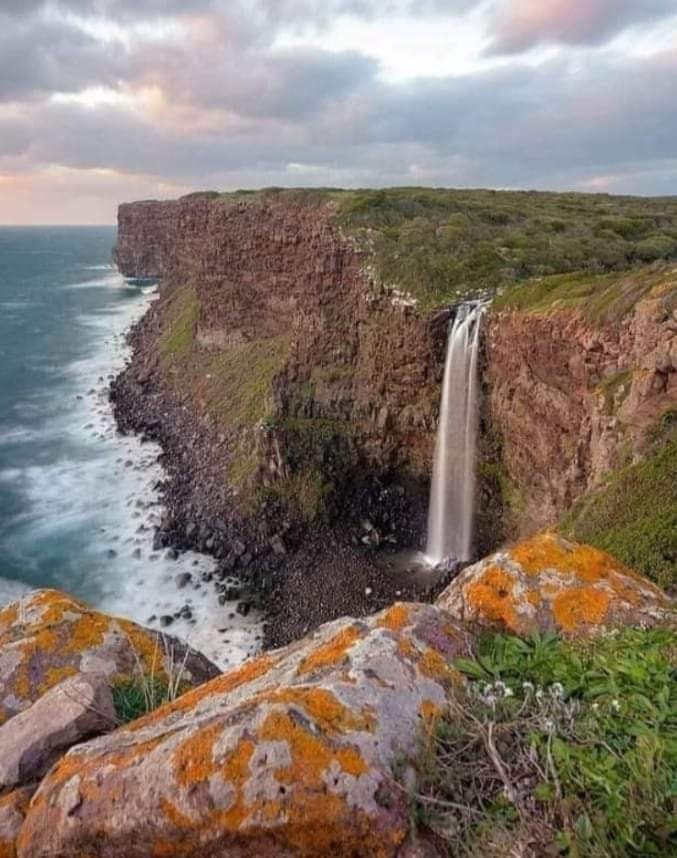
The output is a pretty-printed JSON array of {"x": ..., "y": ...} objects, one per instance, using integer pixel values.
[{"x": 452, "y": 492}]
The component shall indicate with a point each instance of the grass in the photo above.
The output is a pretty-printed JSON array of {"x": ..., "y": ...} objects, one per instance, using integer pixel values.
[
  {"x": 303, "y": 493},
  {"x": 604, "y": 298},
  {"x": 556, "y": 748},
  {"x": 182, "y": 315},
  {"x": 236, "y": 385},
  {"x": 634, "y": 515},
  {"x": 144, "y": 691},
  {"x": 139, "y": 696}
]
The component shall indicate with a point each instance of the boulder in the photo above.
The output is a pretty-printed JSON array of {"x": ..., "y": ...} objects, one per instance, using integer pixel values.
[
  {"x": 13, "y": 807},
  {"x": 296, "y": 753},
  {"x": 547, "y": 583},
  {"x": 48, "y": 636},
  {"x": 76, "y": 709}
]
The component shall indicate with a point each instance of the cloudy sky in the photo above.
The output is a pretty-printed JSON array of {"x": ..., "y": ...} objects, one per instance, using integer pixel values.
[{"x": 110, "y": 100}]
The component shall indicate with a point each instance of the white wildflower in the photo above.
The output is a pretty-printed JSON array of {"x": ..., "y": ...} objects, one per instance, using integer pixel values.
[
  {"x": 557, "y": 690},
  {"x": 508, "y": 692},
  {"x": 615, "y": 705},
  {"x": 527, "y": 686}
]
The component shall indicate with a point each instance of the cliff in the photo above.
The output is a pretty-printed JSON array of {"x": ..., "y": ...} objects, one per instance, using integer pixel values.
[
  {"x": 306, "y": 388},
  {"x": 581, "y": 375}
]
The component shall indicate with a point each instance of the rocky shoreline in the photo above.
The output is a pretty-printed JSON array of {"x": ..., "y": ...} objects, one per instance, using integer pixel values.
[{"x": 298, "y": 576}]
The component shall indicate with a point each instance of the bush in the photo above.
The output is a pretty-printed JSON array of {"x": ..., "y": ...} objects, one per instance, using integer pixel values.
[{"x": 556, "y": 747}]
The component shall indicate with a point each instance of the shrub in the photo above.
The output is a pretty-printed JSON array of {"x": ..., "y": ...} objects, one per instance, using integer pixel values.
[{"x": 556, "y": 747}]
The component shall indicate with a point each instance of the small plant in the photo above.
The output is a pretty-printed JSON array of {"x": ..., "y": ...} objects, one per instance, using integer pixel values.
[
  {"x": 557, "y": 748},
  {"x": 146, "y": 690},
  {"x": 139, "y": 696}
]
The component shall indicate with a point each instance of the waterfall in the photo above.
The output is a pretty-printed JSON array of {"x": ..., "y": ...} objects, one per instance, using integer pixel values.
[{"x": 452, "y": 492}]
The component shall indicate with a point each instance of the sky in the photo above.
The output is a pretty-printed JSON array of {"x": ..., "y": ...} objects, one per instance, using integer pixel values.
[{"x": 104, "y": 101}]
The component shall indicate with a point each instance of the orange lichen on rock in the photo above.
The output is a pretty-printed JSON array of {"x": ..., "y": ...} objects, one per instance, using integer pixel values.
[
  {"x": 549, "y": 551},
  {"x": 395, "y": 618},
  {"x": 193, "y": 760},
  {"x": 435, "y": 666},
  {"x": 322, "y": 706},
  {"x": 580, "y": 606},
  {"x": 547, "y": 583},
  {"x": 332, "y": 651},
  {"x": 8, "y": 618},
  {"x": 430, "y": 713},
  {"x": 13, "y": 807},
  {"x": 491, "y": 595},
  {"x": 311, "y": 754}
]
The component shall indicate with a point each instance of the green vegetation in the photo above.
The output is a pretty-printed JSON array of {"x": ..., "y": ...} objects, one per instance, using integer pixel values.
[
  {"x": 442, "y": 245},
  {"x": 634, "y": 515},
  {"x": 602, "y": 297},
  {"x": 139, "y": 696},
  {"x": 236, "y": 385},
  {"x": 556, "y": 747},
  {"x": 614, "y": 389},
  {"x": 182, "y": 316},
  {"x": 303, "y": 493},
  {"x": 495, "y": 474}
]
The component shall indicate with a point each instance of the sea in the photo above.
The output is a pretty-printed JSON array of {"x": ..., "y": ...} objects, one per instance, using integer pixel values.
[{"x": 78, "y": 500}]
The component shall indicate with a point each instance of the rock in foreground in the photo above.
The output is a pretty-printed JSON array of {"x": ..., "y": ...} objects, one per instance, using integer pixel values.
[
  {"x": 48, "y": 636},
  {"x": 291, "y": 754},
  {"x": 549, "y": 584},
  {"x": 76, "y": 709}
]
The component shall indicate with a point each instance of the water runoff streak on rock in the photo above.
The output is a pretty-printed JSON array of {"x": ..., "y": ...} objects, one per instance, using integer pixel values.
[{"x": 452, "y": 492}]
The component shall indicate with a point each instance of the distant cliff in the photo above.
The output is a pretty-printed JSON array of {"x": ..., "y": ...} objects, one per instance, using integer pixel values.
[{"x": 310, "y": 384}]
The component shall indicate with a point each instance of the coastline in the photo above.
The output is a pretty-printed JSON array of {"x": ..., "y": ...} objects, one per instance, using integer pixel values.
[{"x": 298, "y": 576}]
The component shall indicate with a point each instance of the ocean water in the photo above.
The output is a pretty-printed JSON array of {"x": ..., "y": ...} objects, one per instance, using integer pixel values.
[{"x": 77, "y": 500}]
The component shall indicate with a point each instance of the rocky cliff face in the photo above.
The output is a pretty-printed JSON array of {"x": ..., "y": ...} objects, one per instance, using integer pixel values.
[
  {"x": 572, "y": 398},
  {"x": 265, "y": 271},
  {"x": 284, "y": 379},
  {"x": 342, "y": 376}
]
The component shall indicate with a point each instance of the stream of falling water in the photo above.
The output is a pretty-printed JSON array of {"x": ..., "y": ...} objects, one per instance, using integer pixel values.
[{"x": 452, "y": 492}]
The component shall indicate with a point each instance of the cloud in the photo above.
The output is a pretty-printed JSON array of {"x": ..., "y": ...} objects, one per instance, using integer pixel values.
[
  {"x": 506, "y": 127},
  {"x": 521, "y": 24},
  {"x": 217, "y": 100},
  {"x": 39, "y": 57}
]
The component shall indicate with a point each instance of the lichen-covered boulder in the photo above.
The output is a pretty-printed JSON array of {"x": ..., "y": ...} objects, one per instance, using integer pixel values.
[
  {"x": 290, "y": 755},
  {"x": 547, "y": 583},
  {"x": 13, "y": 807},
  {"x": 47, "y": 636}
]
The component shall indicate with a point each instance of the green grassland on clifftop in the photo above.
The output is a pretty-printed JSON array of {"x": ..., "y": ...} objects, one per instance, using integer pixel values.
[{"x": 442, "y": 245}]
